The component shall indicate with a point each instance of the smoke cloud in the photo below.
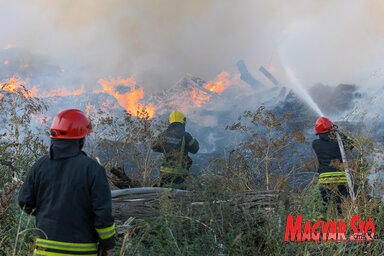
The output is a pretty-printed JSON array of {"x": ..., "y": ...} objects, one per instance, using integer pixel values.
[{"x": 160, "y": 41}]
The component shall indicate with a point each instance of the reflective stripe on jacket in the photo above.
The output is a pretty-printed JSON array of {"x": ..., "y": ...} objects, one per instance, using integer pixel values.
[
  {"x": 332, "y": 178},
  {"x": 51, "y": 247},
  {"x": 106, "y": 233},
  {"x": 68, "y": 192}
]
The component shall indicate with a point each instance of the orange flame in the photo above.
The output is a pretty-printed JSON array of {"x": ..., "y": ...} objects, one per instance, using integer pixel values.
[
  {"x": 221, "y": 83},
  {"x": 10, "y": 85},
  {"x": 129, "y": 100},
  {"x": 15, "y": 85},
  {"x": 199, "y": 97}
]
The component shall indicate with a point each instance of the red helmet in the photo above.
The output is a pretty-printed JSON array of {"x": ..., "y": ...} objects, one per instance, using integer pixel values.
[
  {"x": 70, "y": 124},
  {"x": 323, "y": 125}
]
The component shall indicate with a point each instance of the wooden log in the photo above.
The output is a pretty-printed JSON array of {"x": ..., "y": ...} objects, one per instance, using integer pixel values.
[
  {"x": 155, "y": 191},
  {"x": 246, "y": 76},
  {"x": 146, "y": 201},
  {"x": 269, "y": 76}
]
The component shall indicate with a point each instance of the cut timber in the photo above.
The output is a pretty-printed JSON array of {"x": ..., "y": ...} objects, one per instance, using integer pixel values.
[
  {"x": 246, "y": 76},
  {"x": 135, "y": 193},
  {"x": 269, "y": 76},
  {"x": 145, "y": 202}
]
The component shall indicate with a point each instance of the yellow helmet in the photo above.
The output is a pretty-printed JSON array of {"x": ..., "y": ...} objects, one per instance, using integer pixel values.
[{"x": 176, "y": 117}]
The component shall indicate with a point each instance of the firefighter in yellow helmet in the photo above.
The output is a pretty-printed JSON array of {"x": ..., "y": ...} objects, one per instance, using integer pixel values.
[{"x": 175, "y": 143}]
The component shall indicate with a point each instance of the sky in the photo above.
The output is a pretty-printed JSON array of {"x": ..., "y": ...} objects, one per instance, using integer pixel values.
[{"x": 159, "y": 41}]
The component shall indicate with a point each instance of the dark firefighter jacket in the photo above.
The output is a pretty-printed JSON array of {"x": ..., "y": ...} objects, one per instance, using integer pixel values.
[
  {"x": 68, "y": 192},
  {"x": 328, "y": 152},
  {"x": 170, "y": 143}
]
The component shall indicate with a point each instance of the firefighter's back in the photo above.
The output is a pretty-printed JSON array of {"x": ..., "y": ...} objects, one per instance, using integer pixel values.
[
  {"x": 327, "y": 152},
  {"x": 63, "y": 203}
]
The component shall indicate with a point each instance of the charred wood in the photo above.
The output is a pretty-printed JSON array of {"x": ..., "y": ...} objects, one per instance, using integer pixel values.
[
  {"x": 246, "y": 76},
  {"x": 268, "y": 75}
]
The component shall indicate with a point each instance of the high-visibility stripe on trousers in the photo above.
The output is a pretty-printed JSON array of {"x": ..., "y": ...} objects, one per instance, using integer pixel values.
[
  {"x": 332, "y": 178},
  {"x": 173, "y": 170},
  {"x": 50, "y": 248}
]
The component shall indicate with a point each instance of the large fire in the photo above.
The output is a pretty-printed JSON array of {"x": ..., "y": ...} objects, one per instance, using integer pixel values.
[
  {"x": 17, "y": 85},
  {"x": 124, "y": 90},
  {"x": 128, "y": 95}
]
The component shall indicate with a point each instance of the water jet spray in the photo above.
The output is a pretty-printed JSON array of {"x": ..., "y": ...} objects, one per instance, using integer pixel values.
[{"x": 302, "y": 92}]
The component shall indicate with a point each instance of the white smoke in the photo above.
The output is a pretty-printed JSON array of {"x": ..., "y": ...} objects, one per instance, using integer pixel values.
[{"x": 161, "y": 40}]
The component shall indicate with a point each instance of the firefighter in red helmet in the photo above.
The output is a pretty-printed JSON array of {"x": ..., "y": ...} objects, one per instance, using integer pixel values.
[
  {"x": 69, "y": 195},
  {"x": 332, "y": 178}
]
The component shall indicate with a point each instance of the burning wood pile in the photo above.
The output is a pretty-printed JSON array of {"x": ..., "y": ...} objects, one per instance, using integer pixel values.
[
  {"x": 126, "y": 93},
  {"x": 190, "y": 91}
]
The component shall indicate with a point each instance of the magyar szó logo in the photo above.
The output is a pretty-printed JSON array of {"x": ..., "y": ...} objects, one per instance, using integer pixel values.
[{"x": 330, "y": 230}]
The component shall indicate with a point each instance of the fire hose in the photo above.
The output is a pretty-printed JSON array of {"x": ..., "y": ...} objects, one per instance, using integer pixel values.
[{"x": 346, "y": 167}]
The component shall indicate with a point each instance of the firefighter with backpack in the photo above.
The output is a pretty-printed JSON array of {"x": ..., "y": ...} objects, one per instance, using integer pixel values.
[{"x": 175, "y": 143}]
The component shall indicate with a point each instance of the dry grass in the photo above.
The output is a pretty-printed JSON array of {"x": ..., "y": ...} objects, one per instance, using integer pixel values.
[{"x": 212, "y": 228}]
